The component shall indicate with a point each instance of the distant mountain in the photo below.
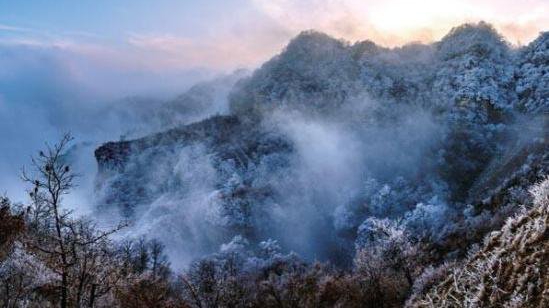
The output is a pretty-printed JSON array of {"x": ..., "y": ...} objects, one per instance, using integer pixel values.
[{"x": 138, "y": 116}]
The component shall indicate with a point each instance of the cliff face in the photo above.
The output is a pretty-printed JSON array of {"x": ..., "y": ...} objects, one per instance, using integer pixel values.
[
  {"x": 136, "y": 172},
  {"x": 215, "y": 131}
]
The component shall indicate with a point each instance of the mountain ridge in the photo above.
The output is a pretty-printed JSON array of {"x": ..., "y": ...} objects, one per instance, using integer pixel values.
[{"x": 450, "y": 107}]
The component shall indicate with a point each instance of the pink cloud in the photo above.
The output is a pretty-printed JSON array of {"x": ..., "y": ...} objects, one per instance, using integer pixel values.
[
  {"x": 396, "y": 22},
  {"x": 255, "y": 33}
]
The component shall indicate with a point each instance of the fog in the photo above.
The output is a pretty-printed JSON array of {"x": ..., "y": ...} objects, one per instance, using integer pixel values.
[
  {"x": 317, "y": 191},
  {"x": 46, "y": 91}
]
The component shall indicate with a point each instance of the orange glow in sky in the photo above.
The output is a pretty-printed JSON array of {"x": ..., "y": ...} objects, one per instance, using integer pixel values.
[{"x": 396, "y": 22}]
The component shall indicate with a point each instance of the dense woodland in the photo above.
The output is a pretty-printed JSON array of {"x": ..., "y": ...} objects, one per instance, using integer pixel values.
[{"x": 337, "y": 175}]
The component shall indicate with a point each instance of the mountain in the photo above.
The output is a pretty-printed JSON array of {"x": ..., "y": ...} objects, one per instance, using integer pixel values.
[{"x": 446, "y": 138}]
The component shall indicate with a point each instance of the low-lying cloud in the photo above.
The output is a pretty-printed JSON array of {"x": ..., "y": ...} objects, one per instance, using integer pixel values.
[{"x": 46, "y": 91}]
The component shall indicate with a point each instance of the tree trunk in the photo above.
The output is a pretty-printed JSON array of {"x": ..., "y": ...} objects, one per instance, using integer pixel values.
[
  {"x": 64, "y": 283},
  {"x": 92, "y": 295}
]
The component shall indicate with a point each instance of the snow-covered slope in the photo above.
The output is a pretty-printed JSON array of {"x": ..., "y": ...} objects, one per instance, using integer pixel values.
[
  {"x": 328, "y": 134},
  {"x": 510, "y": 270}
]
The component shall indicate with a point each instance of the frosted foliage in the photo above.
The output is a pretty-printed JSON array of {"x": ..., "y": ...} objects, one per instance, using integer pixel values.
[
  {"x": 510, "y": 270},
  {"x": 533, "y": 77},
  {"x": 540, "y": 192},
  {"x": 431, "y": 220},
  {"x": 475, "y": 68},
  {"x": 375, "y": 233},
  {"x": 33, "y": 272},
  {"x": 303, "y": 72}
]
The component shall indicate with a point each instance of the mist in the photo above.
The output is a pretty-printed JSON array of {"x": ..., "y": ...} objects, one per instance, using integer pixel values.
[
  {"x": 317, "y": 190},
  {"x": 46, "y": 91}
]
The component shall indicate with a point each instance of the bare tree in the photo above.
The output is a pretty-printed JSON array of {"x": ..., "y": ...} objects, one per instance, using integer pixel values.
[
  {"x": 73, "y": 248},
  {"x": 159, "y": 263}
]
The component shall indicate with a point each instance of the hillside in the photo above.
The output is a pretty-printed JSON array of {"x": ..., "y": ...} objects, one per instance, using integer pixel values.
[
  {"x": 389, "y": 165},
  {"x": 338, "y": 132},
  {"x": 509, "y": 270}
]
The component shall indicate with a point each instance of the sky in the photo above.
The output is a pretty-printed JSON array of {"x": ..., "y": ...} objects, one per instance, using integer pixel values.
[
  {"x": 166, "y": 35},
  {"x": 63, "y": 60}
]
